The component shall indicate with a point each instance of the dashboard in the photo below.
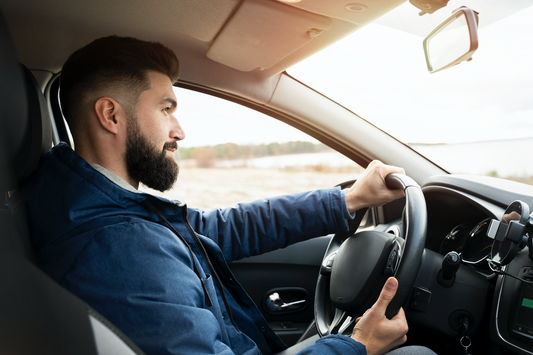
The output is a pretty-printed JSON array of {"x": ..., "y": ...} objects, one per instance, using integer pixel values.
[
  {"x": 460, "y": 212},
  {"x": 471, "y": 241}
]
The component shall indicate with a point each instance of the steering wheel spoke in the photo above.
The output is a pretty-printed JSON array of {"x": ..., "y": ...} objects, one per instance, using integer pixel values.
[
  {"x": 341, "y": 321},
  {"x": 327, "y": 264}
]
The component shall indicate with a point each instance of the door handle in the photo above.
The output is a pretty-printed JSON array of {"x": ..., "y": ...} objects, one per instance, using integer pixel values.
[{"x": 274, "y": 303}]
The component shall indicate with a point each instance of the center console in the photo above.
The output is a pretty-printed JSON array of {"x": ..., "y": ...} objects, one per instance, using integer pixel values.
[{"x": 512, "y": 312}]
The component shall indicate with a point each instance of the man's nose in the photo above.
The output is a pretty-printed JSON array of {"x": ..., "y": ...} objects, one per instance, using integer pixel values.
[{"x": 176, "y": 131}]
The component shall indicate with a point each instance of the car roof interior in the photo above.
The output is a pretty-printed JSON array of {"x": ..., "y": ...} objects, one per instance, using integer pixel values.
[{"x": 223, "y": 45}]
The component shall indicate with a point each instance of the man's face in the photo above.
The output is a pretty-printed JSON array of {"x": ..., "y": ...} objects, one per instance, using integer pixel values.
[{"x": 152, "y": 135}]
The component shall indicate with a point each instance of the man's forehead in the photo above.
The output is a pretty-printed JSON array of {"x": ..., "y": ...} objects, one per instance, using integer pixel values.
[
  {"x": 161, "y": 86},
  {"x": 157, "y": 76}
]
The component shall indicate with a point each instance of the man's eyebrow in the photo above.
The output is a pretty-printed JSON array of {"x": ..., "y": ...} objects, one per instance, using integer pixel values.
[{"x": 169, "y": 100}]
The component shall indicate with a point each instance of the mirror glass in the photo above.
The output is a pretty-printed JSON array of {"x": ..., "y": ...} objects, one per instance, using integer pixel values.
[{"x": 450, "y": 43}]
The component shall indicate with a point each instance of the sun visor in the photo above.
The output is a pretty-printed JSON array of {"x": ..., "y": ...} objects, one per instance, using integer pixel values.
[{"x": 262, "y": 33}]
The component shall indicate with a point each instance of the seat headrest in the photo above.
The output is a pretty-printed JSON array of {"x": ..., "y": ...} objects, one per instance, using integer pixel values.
[
  {"x": 37, "y": 139},
  {"x": 24, "y": 116}
]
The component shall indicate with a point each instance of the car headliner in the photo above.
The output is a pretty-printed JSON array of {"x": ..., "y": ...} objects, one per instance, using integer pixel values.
[{"x": 47, "y": 32}]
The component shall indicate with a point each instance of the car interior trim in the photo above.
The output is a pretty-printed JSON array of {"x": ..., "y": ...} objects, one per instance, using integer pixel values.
[{"x": 358, "y": 133}]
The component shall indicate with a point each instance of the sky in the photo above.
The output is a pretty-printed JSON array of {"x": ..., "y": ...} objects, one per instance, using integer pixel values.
[
  {"x": 208, "y": 121},
  {"x": 380, "y": 73},
  {"x": 490, "y": 97}
]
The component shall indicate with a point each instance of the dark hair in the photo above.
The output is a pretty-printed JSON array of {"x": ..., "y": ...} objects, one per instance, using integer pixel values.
[{"x": 109, "y": 66}]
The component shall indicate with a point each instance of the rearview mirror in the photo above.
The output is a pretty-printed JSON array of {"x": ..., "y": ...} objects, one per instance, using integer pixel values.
[{"x": 453, "y": 41}]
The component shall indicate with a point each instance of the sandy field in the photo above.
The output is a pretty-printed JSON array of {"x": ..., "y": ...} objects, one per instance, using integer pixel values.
[{"x": 218, "y": 187}]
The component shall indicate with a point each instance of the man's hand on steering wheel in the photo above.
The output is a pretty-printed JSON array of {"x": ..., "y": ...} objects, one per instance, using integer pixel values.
[
  {"x": 370, "y": 189},
  {"x": 378, "y": 333}
]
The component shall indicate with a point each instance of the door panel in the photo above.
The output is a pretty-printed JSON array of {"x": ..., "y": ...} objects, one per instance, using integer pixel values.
[{"x": 291, "y": 273}]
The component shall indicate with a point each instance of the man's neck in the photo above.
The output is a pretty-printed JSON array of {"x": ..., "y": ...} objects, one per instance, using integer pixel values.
[
  {"x": 105, "y": 162},
  {"x": 113, "y": 177}
]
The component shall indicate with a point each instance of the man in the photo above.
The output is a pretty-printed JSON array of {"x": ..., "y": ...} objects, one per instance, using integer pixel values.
[{"x": 154, "y": 267}]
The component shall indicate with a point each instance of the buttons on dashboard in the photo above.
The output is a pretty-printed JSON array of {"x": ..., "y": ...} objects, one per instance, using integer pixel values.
[{"x": 420, "y": 299}]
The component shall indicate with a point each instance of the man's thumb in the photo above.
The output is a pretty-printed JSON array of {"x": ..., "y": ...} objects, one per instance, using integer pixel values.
[{"x": 387, "y": 294}]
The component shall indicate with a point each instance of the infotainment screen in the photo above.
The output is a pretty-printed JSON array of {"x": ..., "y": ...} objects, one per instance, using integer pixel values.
[{"x": 524, "y": 316}]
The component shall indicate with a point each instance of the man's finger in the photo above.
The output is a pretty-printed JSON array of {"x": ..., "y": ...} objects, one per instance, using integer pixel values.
[
  {"x": 386, "y": 295},
  {"x": 400, "y": 315}
]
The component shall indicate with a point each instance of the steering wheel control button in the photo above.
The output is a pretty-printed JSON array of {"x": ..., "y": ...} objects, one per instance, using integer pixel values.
[
  {"x": 331, "y": 258},
  {"x": 327, "y": 264},
  {"x": 392, "y": 261},
  {"x": 420, "y": 299}
]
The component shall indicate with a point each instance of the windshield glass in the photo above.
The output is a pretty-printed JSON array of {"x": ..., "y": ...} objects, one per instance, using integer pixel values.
[{"x": 476, "y": 117}]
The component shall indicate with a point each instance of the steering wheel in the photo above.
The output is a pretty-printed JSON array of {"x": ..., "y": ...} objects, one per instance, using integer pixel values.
[{"x": 355, "y": 269}]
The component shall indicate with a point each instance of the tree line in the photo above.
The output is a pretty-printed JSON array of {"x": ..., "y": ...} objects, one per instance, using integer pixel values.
[
  {"x": 235, "y": 151},
  {"x": 207, "y": 155}
]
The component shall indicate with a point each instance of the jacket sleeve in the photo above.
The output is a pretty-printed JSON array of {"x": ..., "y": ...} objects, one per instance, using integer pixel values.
[
  {"x": 335, "y": 345},
  {"x": 268, "y": 224}
]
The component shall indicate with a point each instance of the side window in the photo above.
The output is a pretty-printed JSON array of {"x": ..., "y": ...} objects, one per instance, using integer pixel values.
[{"x": 234, "y": 154}]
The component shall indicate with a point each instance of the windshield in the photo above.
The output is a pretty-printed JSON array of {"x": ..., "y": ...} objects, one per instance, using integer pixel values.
[{"x": 476, "y": 117}]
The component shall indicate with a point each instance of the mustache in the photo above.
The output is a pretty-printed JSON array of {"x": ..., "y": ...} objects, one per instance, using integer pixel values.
[{"x": 172, "y": 145}]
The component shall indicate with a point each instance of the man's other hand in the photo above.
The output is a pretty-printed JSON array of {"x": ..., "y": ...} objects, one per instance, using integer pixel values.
[
  {"x": 370, "y": 189},
  {"x": 379, "y": 334}
]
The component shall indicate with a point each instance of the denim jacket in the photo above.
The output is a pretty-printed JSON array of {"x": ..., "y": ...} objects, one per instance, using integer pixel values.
[{"x": 157, "y": 269}]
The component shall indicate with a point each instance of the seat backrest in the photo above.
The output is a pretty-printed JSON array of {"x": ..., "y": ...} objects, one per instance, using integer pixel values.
[
  {"x": 37, "y": 315},
  {"x": 37, "y": 140}
]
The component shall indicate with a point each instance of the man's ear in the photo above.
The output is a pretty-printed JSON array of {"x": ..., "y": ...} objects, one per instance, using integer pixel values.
[{"x": 109, "y": 113}]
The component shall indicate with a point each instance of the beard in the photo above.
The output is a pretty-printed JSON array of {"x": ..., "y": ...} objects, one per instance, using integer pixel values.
[{"x": 148, "y": 164}]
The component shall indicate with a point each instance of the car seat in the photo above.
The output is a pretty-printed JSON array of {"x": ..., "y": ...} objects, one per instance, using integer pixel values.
[{"x": 37, "y": 316}]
